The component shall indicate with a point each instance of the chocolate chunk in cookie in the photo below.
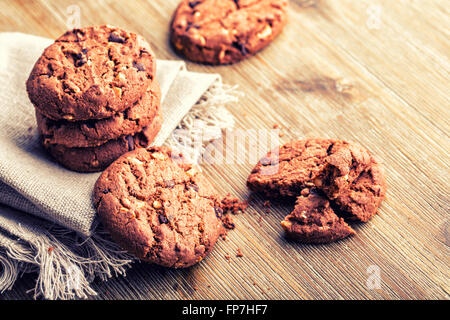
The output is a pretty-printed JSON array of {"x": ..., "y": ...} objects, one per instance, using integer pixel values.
[
  {"x": 361, "y": 200},
  {"x": 92, "y": 159},
  {"x": 91, "y": 73},
  {"x": 314, "y": 221},
  {"x": 92, "y": 133},
  {"x": 226, "y": 31},
  {"x": 170, "y": 224}
]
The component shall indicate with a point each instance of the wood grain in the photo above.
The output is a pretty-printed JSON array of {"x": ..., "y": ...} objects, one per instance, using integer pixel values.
[{"x": 334, "y": 72}]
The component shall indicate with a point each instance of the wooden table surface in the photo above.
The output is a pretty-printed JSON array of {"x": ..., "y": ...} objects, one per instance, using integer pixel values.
[{"x": 376, "y": 72}]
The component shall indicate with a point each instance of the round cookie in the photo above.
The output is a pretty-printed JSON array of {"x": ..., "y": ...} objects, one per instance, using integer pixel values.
[
  {"x": 94, "y": 159},
  {"x": 226, "y": 31},
  {"x": 157, "y": 208},
  {"x": 91, "y": 73},
  {"x": 92, "y": 133}
]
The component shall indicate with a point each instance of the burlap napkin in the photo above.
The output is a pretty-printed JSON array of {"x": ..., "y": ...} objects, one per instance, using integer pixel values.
[{"x": 64, "y": 244}]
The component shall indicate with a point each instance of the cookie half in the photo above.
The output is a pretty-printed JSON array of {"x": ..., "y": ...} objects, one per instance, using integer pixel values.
[
  {"x": 314, "y": 221},
  {"x": 158, "y": 208},
  {"x": 93, "y": 133},
  {"x": 91, "y": 73},
  {"x": 94, "y": 159},
  {"x": 226, "y": 31}
]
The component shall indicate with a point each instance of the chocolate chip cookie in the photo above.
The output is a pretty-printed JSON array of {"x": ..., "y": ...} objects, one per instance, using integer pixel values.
[
  {"x": 94, "y": 159},
  {"x": 314, "y": 221},
  {"x": 93, "y": 133},
  {"x": 347, "y": 180},
  {"x": 226, "y": 31},
  {"x": 158, "y": 208},
  {"x": 91, "y": 73}
]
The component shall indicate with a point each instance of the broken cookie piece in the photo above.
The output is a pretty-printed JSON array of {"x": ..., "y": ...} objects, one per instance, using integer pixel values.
[
  {"x": 343, "y": 166},
  {"x": 314, "y": 221},
  {"x": 361, "y": 200},
  {"x": 347, "y": 180}
]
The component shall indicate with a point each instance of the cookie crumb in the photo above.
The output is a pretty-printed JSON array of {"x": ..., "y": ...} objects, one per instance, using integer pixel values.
[
  {"x": 233, "y": 205},
  {"x": 267, "y": 204},
  {"x": 224, "y": 234},
  {"x": 239, "y": 253},
  {"x": 228, "y": 222},
  {"x": 260, "y": 221}
]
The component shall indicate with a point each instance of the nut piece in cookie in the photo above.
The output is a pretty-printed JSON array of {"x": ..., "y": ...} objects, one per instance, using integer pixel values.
[
  {"x": 361, "y": 201},
  {"x": 314, "y": 221},
  {"x": 226, "y": 31},
  {"x": 158, "y": 208}
]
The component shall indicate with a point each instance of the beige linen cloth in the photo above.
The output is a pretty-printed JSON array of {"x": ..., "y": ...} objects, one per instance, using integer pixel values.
[{"x": 47, "y": 222}]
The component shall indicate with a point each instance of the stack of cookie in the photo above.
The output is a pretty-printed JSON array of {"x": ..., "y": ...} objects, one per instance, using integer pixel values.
[{"x": 96, "y": 96}]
